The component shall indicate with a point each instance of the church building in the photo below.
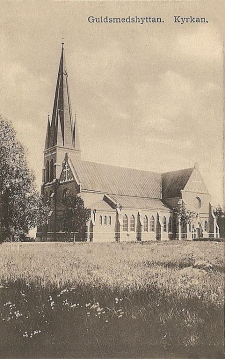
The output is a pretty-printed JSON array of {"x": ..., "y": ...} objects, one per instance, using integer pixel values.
[{"x": 126, "y": 204}]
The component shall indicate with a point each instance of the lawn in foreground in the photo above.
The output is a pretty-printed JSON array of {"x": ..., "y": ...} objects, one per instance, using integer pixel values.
[{"x": 112, "y": 300}]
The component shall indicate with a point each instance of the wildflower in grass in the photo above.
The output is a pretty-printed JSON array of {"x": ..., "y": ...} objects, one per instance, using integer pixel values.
[
  {"x": 18, "y": 314},
  {"x": 8, "y": 303},
  {"x": 63, "y": 291}
]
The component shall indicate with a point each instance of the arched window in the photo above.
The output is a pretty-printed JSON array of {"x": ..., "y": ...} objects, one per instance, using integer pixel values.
[
  {"x": 100, "y": 220},
  {"x": 47, "y": 171},
  {"x": 193, "y": 232},
  {"x": 198, "y": 203},
  {"x": 51, "y": 170},
  {"x": 145, "y": 224},
  {"x": 132, "y": 224},
  {"x": 110, "y": 220},
  {"x": 189, "y": 227},
  {"x": 105, "y": 220},
  {"x": 164, "y": 224},
  {"x": 152, "y": 224},
  {"x": 64, "y": 195},
  {"x": 125, "y": 223},
  {"x": 170, "y": 225},
  {"x": 206, "y": 226}
]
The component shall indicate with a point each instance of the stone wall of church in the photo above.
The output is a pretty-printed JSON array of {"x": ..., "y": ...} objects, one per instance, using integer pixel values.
[
  {"x": 143, "y": 225},
  {"x": 197, "y": 202},
  {"x": 104, "y": 226},
  {"x": 128, "y": 226}
]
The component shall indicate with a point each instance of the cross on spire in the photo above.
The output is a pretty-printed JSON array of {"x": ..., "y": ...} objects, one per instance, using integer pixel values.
[{"x": 66, "y": 171}]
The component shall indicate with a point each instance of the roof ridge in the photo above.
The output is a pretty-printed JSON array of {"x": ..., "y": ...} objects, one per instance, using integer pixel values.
[
  {"x": 183, "y": 169},
  {"x": 127, "y": 195},
  {"x": 116, "y": 166}
]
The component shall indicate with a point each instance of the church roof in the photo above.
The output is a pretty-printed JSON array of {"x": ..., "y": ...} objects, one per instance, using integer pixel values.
[
  {"x": 139, "y": 202},
  {"x": 175, "y": 181},
  {"x": 116, "y": 180}
]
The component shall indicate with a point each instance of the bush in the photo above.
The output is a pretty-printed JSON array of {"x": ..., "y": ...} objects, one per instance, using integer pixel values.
[{"x": 211, "y": 239}]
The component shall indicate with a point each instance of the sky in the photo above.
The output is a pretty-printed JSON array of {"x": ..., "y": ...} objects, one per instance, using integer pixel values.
[{"x": 145, "y": 96}]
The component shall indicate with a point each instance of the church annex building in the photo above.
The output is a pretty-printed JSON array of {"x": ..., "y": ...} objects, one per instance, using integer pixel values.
[{"x": 126, "y": 204}]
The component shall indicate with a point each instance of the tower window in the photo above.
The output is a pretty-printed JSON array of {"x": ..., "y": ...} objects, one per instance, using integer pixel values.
[
  {"x": 125, "y": 223},
  {"x": 100, "y": 220},
  {"x": 145, "y": 224},
  {"x": 132, "y": 223},
  {"x": 110, "y": 220},
  {"x": 50, "y": 195},
  {"x": 105, "y": 220},
  {"x": 47, "y": 171},
  {"x": 65, "y": 195},
  {"x": 51, "y": 175}
]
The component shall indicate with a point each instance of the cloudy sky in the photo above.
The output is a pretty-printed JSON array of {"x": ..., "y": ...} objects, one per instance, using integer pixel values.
[{"x": 146, "y": 96}]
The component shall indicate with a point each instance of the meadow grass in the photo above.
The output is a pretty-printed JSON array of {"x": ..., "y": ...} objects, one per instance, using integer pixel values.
[{"x": 112, "y": 300}]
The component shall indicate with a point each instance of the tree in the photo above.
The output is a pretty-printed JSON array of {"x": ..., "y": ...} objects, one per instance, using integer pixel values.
[
  {"x": 220, "y": 217},
  {"x": 21, "y": 207},
  {"x": 183, "y": 215},
  {"x": 75, "y": 216},
  {"x": 218, "y": 211}
]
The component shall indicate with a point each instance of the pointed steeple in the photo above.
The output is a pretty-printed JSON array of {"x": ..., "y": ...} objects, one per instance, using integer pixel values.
[{"x": 62, "y": 126}]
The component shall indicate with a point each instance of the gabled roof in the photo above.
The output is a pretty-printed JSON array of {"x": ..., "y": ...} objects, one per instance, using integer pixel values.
[
  {"x": 175, "y": 181},
  {"x": 116, "y": 180},
  {"x": 95, "y": 201}
]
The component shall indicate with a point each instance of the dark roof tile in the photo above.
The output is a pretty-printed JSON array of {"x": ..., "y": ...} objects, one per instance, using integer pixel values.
[
  {"x": 175, "y": 181},
  {"x": 109, "y": 179}
]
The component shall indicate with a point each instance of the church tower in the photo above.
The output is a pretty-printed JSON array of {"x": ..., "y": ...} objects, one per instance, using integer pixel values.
[{"x": 62, "y": 135}]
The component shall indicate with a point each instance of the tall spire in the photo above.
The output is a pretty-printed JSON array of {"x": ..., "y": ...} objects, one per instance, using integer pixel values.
[{"x": 62, "y": 124}]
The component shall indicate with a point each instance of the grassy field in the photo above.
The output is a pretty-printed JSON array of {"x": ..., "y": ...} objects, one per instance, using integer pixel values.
[{"x": 150, "y": 300}]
